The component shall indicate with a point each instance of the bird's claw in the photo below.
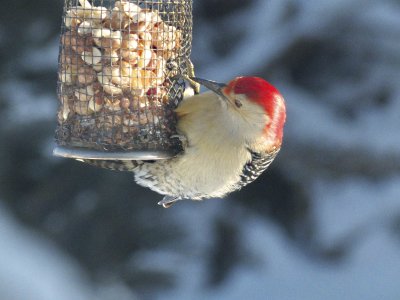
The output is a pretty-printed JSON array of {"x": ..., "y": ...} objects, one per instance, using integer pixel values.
[
  {"x": 190, "y": 71},
  {"x": 168, "y": 201},
  {"x": 182, "y": 139},
  {"x": 188, "y": 78}
]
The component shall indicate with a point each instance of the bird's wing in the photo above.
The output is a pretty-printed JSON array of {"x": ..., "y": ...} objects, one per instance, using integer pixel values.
[
  {"x": 116, "y": 165},
  {"x": 253, "y": 168}
]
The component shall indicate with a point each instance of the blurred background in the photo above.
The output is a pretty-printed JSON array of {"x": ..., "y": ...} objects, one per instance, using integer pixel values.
[{"x": 322, "y": 223}]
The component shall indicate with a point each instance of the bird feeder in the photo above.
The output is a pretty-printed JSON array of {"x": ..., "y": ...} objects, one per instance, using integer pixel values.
[{"x": 120, "y": 77}]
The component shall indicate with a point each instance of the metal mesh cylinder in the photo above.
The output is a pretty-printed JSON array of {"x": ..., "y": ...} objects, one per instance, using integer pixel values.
[{"x": 118, "y": 78}]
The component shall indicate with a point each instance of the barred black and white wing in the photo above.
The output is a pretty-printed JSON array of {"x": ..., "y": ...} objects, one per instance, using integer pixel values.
[
  {"x": 255, "y": 167},
  {"x": 115, "y": 165}
]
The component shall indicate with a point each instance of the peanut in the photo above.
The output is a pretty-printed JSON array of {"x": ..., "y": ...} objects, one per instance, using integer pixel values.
[{"x": 116, "y": 60}]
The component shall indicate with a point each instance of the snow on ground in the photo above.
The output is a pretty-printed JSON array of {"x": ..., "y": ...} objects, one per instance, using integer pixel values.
[
  {"x": 371, "y": 271},
  {"x": 354, "y": 207},
  {"x": 354, "y": 211},
  {"x": 33, "y": 268},
  {"x": 36, "y": 106}
]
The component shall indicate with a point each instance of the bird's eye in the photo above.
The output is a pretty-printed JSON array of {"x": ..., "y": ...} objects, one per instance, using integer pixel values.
[{"x": 238, "y": 103}]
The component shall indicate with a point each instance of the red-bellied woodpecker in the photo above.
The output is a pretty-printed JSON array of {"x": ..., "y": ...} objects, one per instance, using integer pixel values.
[{"x": 231, "y": 134}]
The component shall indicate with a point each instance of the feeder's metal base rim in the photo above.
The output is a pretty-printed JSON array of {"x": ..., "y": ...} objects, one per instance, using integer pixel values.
[{"x": 85, "y": 153}]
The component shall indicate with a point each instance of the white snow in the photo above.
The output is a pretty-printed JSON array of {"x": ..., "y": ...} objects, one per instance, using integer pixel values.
[
  {"x": 31, "y": 267},
  {"x": 282, "y": 272},
  {"x": 355, "y": 206},
  {"x": 26, "y": 104},
  {"x": 42, "y": 58}
]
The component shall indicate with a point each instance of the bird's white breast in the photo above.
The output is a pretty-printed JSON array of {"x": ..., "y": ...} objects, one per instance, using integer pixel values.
[{"x": 214, "y": 158}]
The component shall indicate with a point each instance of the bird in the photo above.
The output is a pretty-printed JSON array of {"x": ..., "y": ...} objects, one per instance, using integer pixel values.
[{"x": 230, "y": 135}]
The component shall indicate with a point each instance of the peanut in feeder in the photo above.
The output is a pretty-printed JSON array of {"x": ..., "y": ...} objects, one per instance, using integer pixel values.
[{"x": 118, "y": 84}]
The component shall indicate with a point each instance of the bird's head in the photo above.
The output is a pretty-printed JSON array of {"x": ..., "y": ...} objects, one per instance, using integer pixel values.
[{"x": 257, "y": 107}]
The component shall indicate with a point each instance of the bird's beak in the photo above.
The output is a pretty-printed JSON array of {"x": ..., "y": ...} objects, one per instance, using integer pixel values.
[{"x": 211, "y": 85}]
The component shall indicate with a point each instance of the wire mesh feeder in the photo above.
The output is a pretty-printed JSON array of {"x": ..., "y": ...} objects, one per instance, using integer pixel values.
[{"x": 118, "y": 77}]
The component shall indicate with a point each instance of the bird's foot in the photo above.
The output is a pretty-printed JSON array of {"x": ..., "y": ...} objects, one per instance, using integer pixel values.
[
  {"x": 190, "y": 70},
  {"x": 194, "y": 87},
  {"x": 183, "y": 139},
  {"x": 168, "y": 201}
]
